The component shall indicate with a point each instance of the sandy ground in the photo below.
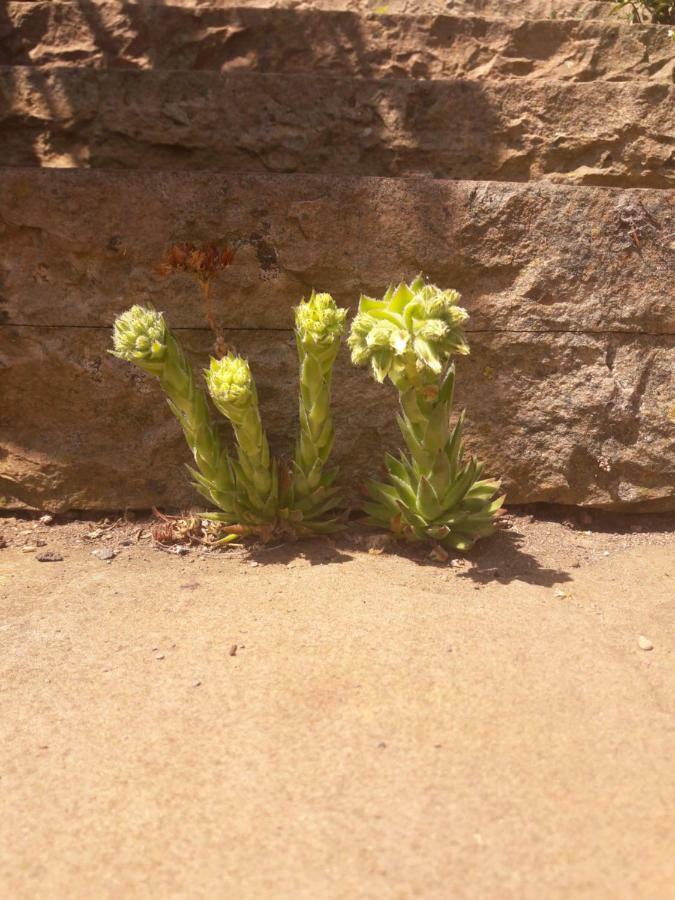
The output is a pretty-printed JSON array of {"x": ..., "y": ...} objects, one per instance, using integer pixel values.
[{"x": 320, "y": 721}]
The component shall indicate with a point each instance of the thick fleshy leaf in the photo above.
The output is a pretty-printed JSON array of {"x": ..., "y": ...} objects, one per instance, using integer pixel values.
[
  {"x": 440, "y": 477},
  {"x": 378, "y": 512},
  {"x": 459, "y": 541},
  {"x": 427, "y": 501},
  {"x": 383, "y": 493},
  {"x": 395, "y": 467},
  {"x": 438, "y": 427},
  {"x": 484, "y": 489},
  {"x": 401, "y": 296},
  {"x": 459, "y": 487},
  {"x": 418, "y": 451},
  {"x": 453, "y": 449},
  {"x": 406, "y": 493},
  {"x": 445, "y": 395}
]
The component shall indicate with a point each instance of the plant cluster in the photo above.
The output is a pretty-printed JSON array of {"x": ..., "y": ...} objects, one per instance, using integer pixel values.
[
  {"x": 253, "y": 491},
  {"x": 410, "y": 337}
]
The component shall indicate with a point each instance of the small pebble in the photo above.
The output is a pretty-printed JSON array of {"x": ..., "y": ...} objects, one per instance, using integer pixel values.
[
  {"x": 29, "y": 548},
  {"x": 644, "y": 643},
  {"x": 49, "y": 556},
  {"x": 179, "y": 550},
  {"x": 253, "y": 564},
  {"x": 196, "y": 683},
  {"x": 40, "y": 542},
  {"x": 561, "y": 594},
  {"x": 233, "y": 650},
  {"x": 46, "y": 520},
  {"x": 159, "y": 656},
  {"x": 105, "y": 553}
]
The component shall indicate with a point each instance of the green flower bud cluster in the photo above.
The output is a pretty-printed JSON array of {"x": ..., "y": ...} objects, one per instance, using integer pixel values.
[
  {"x": 140, "y": 336},
  {"x": 410, "y": 334},
  {"x": 230, "y": 382},
  {"x": 319, "y": 320}
]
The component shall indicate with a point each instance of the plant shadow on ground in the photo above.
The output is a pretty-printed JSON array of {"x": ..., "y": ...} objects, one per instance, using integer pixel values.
[
  {"x": 315, "y": 552},
  {"x": 499, "y": 558}
]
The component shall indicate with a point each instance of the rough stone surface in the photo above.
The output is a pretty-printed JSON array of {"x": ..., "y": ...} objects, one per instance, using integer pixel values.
[
  {"x": 532, "y": 9},
  {"x": 77, "y": 247},
  {"x": 342, "y": 42},
  {"x": 569, "y": 390},
  {"x": 569, "y": 418},
  {"x": 595, "y": 133}
]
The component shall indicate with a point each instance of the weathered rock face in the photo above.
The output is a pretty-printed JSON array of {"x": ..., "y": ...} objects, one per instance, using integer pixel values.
[
  {"x": 569, "y": 389},
  {"x": 77, "y": 247},
  {"x": 531, "y": 9},
  {"x": 504, "y": 130},
  {"x": 568, "y": 418},
  {"x": 344, "y": 42}
]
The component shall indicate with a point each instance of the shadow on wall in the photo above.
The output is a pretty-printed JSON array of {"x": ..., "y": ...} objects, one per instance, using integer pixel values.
[{"x": 399, "y": 127}]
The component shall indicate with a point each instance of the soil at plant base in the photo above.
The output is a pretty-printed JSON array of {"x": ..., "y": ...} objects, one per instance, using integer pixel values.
[{"x": 338, "y": 719}]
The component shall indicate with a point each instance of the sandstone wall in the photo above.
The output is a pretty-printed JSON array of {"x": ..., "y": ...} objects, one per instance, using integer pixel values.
[{"x": 569, "y": 387}]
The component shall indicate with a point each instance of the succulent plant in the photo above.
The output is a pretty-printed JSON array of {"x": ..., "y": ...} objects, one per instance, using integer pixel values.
[
  {"x": 410, "y": 337},
  {"x": 248, "y": 490},
  {"x": 141, "y": 336},
  {"x": 233, "y": 391},
  {"x": 319, "y": 325}
]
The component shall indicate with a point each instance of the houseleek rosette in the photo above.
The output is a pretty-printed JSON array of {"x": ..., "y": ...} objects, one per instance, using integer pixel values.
[
  {"x": 233, "y": 391},
  {"x": 141, "y": 336},
  {"x": 319, "y": 325},
  {"x": 410, "y": 337}
]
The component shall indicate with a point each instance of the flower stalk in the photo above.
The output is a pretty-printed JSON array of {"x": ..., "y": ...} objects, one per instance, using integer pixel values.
[
  {"x": 410, "y": 336},
  {"x": 319, "y": 325},
  {"x": 141, "y": 336},
  {"x": 233, "y": 391}
]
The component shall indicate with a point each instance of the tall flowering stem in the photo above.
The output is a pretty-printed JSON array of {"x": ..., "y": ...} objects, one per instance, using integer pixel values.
[
  {"x": 233, "y": 391},
  {"x": 319, "y": 325},
  {"x": 410, "y": 337},
  {"x": 141, "y": 336}
]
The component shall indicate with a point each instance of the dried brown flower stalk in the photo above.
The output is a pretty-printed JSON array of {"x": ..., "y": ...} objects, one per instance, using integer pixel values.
[{"x": 203, "y": 263}]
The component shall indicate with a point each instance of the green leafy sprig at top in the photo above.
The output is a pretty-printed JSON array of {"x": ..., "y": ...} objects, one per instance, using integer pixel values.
[
  {"x": 410, "y": 337},
  {"x": 254, "y": 493}
]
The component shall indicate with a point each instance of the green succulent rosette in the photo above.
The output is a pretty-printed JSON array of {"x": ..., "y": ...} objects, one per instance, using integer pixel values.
[{"x": 411, "y": 336}]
